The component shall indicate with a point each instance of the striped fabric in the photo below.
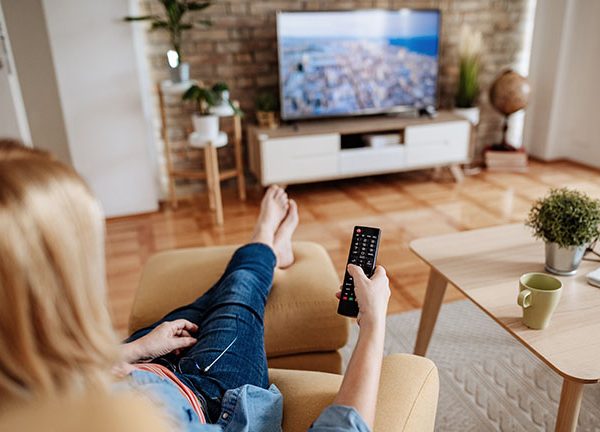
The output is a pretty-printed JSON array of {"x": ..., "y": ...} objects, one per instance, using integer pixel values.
[{"x": 165, "y": 373}]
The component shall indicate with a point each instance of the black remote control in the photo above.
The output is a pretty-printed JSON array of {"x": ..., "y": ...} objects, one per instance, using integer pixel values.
[{"x": 363, "y": 253}]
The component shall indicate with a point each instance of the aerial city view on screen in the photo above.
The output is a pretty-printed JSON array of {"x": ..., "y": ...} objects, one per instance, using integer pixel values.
[{"x": 336, "y": 63}]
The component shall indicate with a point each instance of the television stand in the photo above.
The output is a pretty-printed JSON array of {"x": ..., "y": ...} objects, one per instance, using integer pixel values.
[{"x": 332, "y": 149}]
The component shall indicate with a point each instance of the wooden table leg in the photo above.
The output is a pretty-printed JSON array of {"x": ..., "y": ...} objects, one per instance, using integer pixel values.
[
  {"x": 457, "y": 173},
  {"x": 568, "y": 409},
  {"x": 209, "y": 177},
  {"x": 217, "y": 186},
  {"x": 172, "y": 193},
  {"x": 436, "y": 287},
  {"x": 239, "y": 158}
]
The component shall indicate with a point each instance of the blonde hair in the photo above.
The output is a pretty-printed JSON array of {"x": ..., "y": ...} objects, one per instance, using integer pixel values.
[
  {"x": 55, "y": 331},
  {"x": 13, "y": 149}
]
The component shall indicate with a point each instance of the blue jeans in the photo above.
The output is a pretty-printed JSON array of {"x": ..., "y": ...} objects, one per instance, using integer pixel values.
[{"x": 233, "y": 309}]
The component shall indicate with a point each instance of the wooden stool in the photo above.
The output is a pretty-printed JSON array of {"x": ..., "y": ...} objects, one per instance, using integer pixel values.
[
  {"x": 211, "y": 167},
  {"x": 212, "y": 174}
]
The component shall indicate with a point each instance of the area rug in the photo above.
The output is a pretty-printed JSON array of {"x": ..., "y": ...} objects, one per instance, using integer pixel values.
[{"x": 488, "y": 381}]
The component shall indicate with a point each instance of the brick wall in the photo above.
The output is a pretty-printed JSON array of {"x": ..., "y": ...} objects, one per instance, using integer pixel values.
[{"x": 240, "y": 48}]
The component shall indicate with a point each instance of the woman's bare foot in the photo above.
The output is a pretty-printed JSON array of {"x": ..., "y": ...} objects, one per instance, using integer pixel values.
[
  {"x": 273, "y": 209},
  {"x": 283, "y": 237}
]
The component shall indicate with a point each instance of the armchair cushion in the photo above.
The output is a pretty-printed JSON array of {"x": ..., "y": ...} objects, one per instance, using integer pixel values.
[{"x": 300, "y": 315}]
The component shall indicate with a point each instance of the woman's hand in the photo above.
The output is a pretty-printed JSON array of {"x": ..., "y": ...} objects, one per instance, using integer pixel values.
[
  {"x": 165, "y": 338},
  {"x": 372, "y": 295}
]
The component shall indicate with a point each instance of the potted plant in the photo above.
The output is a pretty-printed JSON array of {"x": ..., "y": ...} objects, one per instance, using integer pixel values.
[
  {"x": 223, "y": 105},
  {"x": 267, "y": 107},
  {"x": 205, "y": 123},
  {"x": 567, "y": 220},
  {"x": 468, "y": 80},
  {"x": 173, "y": 22}
]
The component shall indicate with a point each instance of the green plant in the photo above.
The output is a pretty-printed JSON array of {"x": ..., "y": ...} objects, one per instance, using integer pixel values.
[
  {"x": 203, "y": 97},
  {"x": 468, "y": 80},
  {"x": 220, "y": 87},
  {"x": 267, "y": 102},
  {"x": 173, "y": 22},
  {"x": 566, "y": 217}
]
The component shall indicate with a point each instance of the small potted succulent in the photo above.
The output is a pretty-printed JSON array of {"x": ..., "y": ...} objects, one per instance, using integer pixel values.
[
  {"x": 205, "y": 123},
  {"x": 267, "y": 107},
  {"x": 465, "y": 103},
  {"x": 567, "y": 220}
]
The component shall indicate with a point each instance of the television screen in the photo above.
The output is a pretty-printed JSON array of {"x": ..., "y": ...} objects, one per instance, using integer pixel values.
[{"x": 356, "y": 62}]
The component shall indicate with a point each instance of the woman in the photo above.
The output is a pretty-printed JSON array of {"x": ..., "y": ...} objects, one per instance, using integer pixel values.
[{"x": 204, "y": 362}]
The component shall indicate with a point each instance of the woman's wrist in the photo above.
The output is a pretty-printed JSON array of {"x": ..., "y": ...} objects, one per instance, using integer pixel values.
[
  {"x": 372, "y": 324},
  {"x": 132, "y": 352}
]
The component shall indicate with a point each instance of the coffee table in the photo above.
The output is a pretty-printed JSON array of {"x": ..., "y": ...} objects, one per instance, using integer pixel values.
[{"x": 485, "y": 266}]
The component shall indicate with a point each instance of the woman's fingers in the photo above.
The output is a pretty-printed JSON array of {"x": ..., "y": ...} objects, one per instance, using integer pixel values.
[
  {"x": 183, "y": 342},
  {"x": 356, "y": 272},
  {"x": 183, "y": 324},
  {"x": 379, "y": 273}
]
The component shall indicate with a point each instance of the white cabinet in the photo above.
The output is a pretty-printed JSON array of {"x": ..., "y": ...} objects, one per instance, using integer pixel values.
[
  {"x": 437, "y": 144},
  {"x": 314, "y": 151},
  {"x": 291, "y": 160}
]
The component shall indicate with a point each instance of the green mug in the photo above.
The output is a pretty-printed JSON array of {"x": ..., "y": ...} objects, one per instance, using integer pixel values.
[{"x": 539, "y": 295}]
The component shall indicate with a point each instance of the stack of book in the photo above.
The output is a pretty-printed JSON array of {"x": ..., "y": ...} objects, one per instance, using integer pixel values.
[{"x": 507, "y": 161}]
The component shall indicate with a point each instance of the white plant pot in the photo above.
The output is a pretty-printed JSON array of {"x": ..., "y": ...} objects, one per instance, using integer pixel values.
[
  {"x": 206, "y": 126},
  {"x": 471, "y": 114},
  {"x": 180, "y": 73}
]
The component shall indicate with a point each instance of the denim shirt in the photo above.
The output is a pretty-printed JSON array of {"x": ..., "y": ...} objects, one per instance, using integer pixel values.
[{"x": 244, "y": 409}]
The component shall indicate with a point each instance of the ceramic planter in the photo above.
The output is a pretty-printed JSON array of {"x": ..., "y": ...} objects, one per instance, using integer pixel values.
[
  {"x": 471, "y": 114},
  {"x": 206, "y": 126},
  {"x": 563, "y": 261},
  {"x": 267, "y": 119},
  {"x": 223, "y": 106}
]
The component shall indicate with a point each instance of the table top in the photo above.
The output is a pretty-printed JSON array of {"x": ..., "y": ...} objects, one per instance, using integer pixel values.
[{"x": 486, "y": 264}]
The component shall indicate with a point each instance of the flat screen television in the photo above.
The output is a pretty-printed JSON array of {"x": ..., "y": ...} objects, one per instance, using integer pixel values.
[{"x": 360, "y": 62}]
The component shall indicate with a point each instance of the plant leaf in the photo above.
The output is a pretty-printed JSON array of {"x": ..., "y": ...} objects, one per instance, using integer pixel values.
[
  {"x": 159, "y": 24},
  {"x": 195, "y": 6},
  {"x": 140, "y": 18}
]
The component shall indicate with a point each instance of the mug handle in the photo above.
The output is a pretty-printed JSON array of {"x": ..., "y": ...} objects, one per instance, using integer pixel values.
[{"x": 524, "y": 299}]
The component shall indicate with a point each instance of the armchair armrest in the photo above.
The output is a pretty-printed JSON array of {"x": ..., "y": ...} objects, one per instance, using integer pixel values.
[{"x": 407, "y": 399}]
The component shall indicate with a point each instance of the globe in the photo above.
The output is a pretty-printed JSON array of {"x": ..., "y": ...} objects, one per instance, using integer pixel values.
[{"x": 509, "y": 92}]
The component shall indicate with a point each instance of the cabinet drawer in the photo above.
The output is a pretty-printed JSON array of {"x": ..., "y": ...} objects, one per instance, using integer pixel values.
[
  {"x": 372, "y": 160},
  {"x": 437, "y": 143},
  {"x": 290, "y": 160},
  {"x": 310, "y": 145}
]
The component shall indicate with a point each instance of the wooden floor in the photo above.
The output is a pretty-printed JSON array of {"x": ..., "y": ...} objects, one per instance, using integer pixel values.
[{"x": 405, "y": 206}]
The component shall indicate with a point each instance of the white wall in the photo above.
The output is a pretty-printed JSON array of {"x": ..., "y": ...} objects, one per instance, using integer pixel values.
[
  {"x": 578, "y": 119},
  {"x": 13, "y": 120},
  {"x": 563, "y": 120},
  {"x": 26, "y": 27},
  {"x": 99, "y": 88}
]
